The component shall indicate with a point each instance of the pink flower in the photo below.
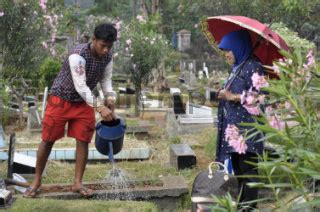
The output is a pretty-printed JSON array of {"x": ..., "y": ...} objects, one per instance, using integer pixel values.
[
  {"x": 1, "y": 14},
  {"x": 42, "y": 4},
  {"x": 250, "y": 99},
  {"x": 287, "y": 105},
  {"x": 259, "y": 81},
  {"x": 261, "y": 98},
  {"x": 269, "y": 110},
  {"x": 140, "y": 18},
  {"x": 252, "y": 109},
  {"x": 235, "y": 140},
  {"x": 276, "y": 68},
  {"x": 311, "y": 60},
  {"x": 276, "y": 123}
]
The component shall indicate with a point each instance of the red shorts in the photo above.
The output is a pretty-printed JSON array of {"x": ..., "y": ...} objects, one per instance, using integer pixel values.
[{"x": 80, "y": 118}]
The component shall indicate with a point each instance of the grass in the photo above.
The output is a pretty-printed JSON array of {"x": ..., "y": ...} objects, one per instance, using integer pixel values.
[
  {"x": 22, "y": 205},
  {"x": 157, "y": 166}
]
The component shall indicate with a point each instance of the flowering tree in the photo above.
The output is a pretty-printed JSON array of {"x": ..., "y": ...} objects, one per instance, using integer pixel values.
[
  {"x": 145, "y": 49},
  {"x": 291, "y": 121},
  {"x": 25, "y": 27}
]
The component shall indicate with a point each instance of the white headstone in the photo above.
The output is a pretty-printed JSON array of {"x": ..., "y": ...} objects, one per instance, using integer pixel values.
[
  {"x": 2, "y": 141},
  {"x": 184, "y": 38},
  {"x": 44, "y": 101},
  {"x": 175, "y": 91}
]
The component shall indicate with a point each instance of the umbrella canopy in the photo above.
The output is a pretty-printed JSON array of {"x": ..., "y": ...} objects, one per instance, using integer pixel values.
[{"x": 270, "y": 42}]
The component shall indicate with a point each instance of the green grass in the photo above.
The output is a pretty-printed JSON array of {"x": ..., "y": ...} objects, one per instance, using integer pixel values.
[
  {"x": 22, "y": 205},
  {"x": 157, "y": 166}
]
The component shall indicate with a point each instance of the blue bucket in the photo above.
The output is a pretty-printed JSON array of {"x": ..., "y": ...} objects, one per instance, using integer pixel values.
[{"x": 112, "y": 131}]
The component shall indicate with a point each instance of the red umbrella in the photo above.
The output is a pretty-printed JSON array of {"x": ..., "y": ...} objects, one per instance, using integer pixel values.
[{"x": 270, "y": 42}]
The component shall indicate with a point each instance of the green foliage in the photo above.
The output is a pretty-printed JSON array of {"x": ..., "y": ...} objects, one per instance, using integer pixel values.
[
  {"x": 48, "y": 71},
  {"x": 299, "y": 142},
  {"x": 21, "y": 28},
  {"x": 292, "y": 38},
  {"x": 145, "y": 49},
  {"x": 4, "y": 100}
]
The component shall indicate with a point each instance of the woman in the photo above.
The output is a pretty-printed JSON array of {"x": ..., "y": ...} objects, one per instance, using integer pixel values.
[{"x": 238, "y": 50}]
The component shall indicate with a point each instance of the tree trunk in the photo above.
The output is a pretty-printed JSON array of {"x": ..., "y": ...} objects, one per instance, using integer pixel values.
[
  {"x": 155, "y": 6},
  {"x": 138, "y": 100},
  {"x": 144, "y": 9},
  {"x": 134, "y": 8},
  {"x": 21, "y": 119}
]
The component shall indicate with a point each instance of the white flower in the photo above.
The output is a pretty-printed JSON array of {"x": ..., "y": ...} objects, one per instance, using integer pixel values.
[{"x": 129, "y": 42}]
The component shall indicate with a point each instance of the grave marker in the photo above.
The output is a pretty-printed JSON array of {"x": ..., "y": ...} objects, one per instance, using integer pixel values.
[
  {"x": 2, "y": 140},
  {"x": 182, "y": 156}
]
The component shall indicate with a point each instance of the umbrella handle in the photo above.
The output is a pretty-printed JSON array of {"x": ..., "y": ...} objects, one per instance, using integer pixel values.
[{"x": 210, "y": 175}]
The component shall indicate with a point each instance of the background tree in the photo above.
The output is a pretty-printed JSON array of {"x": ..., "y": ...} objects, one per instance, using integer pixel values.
[{"x": 145, "y": 49}]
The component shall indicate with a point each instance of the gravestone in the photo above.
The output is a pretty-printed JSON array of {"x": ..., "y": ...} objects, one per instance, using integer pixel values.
[
  {"x": 34, "y": 120},
  {"x": 182, "y": 156},
  {"x": 44, "y": 101},
  {"x": 198, "y": 110},
  {"x": 178, "y": 107},
  {"x": 2, "y": 140},
  {"x": 23, "y": 164},
  {"x": 184, "y": 38},
  {"x": 12, "y": 142}
]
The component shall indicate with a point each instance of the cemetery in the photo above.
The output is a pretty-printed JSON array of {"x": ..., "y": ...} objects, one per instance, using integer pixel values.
[{"x": 159, "y": 152}]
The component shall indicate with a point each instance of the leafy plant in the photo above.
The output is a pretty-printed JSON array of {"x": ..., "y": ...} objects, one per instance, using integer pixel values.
[
  {"x": 48, "y": 71},
  {"x": 145, "y": 49}
]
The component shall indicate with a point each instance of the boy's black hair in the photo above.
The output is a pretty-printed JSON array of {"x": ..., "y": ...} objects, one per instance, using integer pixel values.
[{"x": 106, "y": 32}]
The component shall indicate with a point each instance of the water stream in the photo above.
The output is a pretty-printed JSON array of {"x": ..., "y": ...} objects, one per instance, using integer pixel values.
[{"x": 118, "y": 178}]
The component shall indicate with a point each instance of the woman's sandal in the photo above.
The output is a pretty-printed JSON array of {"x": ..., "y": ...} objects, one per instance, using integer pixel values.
[{"x": 31, "y": 192}]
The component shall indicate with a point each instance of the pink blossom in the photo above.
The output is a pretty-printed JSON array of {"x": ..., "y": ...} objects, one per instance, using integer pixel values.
[
  {"x": 250, "y": 99},
  {"x": 276, "y": 68},
  {"x": 259, "y": 81},
  {"x": 1, "y": 14},
  {"x": 196, "y": 26},
  {"x": 252, "y": 109},
  {"x": 235, "y": 140},
  {"x": 311, "y": 60},
  {"x": 269, "y": 110},
  {"x": 287, "y": 105},
  {"x": 261, "y": 98},
  {"x": 232, "y": 132},
  {"x": 42, "y": 4},
  {"x": 240, "y": 145},
  {"x": 140, "y": 18},
  {"x": 276, "y": 123}
]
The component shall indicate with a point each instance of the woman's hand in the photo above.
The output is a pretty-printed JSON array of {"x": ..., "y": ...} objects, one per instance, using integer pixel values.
[{"x": 228, "y": 96}]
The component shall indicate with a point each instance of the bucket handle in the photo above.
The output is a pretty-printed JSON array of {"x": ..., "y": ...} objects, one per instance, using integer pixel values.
[{"x": 210, "y": 175}]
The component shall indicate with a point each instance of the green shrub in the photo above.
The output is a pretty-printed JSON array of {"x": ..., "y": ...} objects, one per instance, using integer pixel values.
[{"x": 48, "y": 71}]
